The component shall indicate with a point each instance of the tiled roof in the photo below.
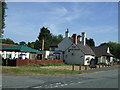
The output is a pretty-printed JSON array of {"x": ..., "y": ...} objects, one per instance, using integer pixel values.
[
  {"x": 101, "y": 51},
  {"x": 85, "y": 48},
  {"x": 2, "y": 45}
]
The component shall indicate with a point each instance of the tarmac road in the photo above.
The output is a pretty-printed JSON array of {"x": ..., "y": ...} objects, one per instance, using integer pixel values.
[{"x": 102, "y": 79}]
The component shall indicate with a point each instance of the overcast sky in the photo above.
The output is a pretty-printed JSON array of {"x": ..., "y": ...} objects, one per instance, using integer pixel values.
[{"x": 98, "y": 19}]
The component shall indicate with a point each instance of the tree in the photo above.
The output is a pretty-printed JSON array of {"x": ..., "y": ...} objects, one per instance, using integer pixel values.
[
  {"x": 56, "y": 39},
  {"x": 43, "y": 35},
  {"x": 49, "y": 39},
  {"x": 90, "y": 42},
  {"x": 3, "y": 6},
  {"x": 22, "y": 43},
  {"x": 60, "y": 38},
  {"x": 37, "y": 45},
  {"x": 31, "y": 44},
  {"x": 103, "y": 44},
  {"x": 7, "y": 41}
]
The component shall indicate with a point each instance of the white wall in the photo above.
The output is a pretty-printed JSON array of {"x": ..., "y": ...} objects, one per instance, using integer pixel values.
[
  {"x": 103, "y": 59},
  {"x": 88, "y": 58},
  {"x": 14, "y": 54},
  {"x": 111, "y": 59},
  {"x": 64, "y": 44},
  {"x": 47, "y": 54}
]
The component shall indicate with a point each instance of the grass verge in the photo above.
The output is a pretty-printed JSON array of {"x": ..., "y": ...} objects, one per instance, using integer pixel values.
[
  {"x": 49, "y": 64},
  {"x": 35, "y": 70}
]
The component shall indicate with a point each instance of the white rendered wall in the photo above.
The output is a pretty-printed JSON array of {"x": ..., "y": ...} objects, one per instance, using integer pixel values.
[
  {"x": 111, "y": 59},
  {"x": 86, "y": 61},
  {"x": 47, "y": 54},
  {"x": 15, "y": 54}
]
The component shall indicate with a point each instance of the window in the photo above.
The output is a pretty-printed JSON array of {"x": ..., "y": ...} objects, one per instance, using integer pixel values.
[
  {"x": 8, "y": 55},
  {"x": 68, "y": 50},
  {"x": 72, "y": 53}
]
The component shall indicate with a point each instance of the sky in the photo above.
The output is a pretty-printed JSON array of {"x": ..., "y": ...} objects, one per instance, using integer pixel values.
[{"x": 98, "y": 19}]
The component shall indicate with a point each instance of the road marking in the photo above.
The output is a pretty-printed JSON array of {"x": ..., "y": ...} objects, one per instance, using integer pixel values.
[
  {"x": 71, "y": 83},
  {"x": 50, "y": 87},
  {"x": 55, "y": 86},
  {"x": 65, "y": 84},
  {"x": 58, "y": 83},
  {"x": 37, "y": 87},
  {"x": 61, "y": 85},
  {"x": 79, "y": 82}
]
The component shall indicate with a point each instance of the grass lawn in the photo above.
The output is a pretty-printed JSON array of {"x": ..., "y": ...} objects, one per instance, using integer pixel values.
[{"x": 38, "y": 70}]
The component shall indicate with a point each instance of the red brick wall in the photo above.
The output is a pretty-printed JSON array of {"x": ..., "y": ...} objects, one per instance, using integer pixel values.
[{"x": 20, "y": 62}]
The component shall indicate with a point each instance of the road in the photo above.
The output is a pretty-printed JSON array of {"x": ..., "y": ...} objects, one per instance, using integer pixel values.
[{"x": 103, "y": 79}]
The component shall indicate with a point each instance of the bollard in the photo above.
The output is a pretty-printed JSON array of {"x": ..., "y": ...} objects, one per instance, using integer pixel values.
[
  {"x": 79, "y": 67},
  {"x": 85, "y": 67},
  {"x": 102, "y": 65},
  {"x": 72, "y": 67},
  {"x": 99, "y": 65}
]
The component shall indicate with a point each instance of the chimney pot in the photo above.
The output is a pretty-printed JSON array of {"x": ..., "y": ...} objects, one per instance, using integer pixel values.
[
  {"x": 80, "y": 38},
  {"x": 67, "y": 33},
  {"x": 83, "y": 38},
  {"x": 75, "y": 38}
]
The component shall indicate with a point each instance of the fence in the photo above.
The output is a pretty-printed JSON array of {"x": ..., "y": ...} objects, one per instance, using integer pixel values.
[{"x": 22, "y": 62}]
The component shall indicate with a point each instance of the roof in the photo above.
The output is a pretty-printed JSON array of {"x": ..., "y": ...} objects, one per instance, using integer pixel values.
[
  {"x": 21, "y": 48},
  {"x": 6, "y": 45},
  {"x": 84, "y": 48},
  {"x": 101, "y": 51}
]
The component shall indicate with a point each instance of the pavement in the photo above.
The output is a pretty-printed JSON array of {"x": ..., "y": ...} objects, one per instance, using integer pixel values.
[
  {"x": 106, "y": 77},
  {"x": 101, "y": 69}
]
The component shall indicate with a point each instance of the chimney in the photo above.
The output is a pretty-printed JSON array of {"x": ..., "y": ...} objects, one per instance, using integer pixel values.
[
  {"x": 43, "y": 56},
  {"x": 83, "y": 38},
  {"x": 43, "y": 45},
  {"x": 75, "y": 38},
  {"x": 67, "y": 33},
  {"x": 80, "y": 38}
]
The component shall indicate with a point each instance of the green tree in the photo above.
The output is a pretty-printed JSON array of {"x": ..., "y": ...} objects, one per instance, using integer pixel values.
[
  {"x": 22, "y": 43},
  {"x": 3, "y": 6},
  {"x": 48, "y": 38},
  {"x": 60, "y": 38},
  {"x": 90, "y": 42},
  {"x": 37, "y": 45},
  {"x": 43, "y": 35},
  {"x": 31, "y": 44},
  {"x": 7, "y": 41}
]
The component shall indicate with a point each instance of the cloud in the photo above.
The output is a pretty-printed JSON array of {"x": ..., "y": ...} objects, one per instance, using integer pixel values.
[{"x": 25, "y": 23}]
